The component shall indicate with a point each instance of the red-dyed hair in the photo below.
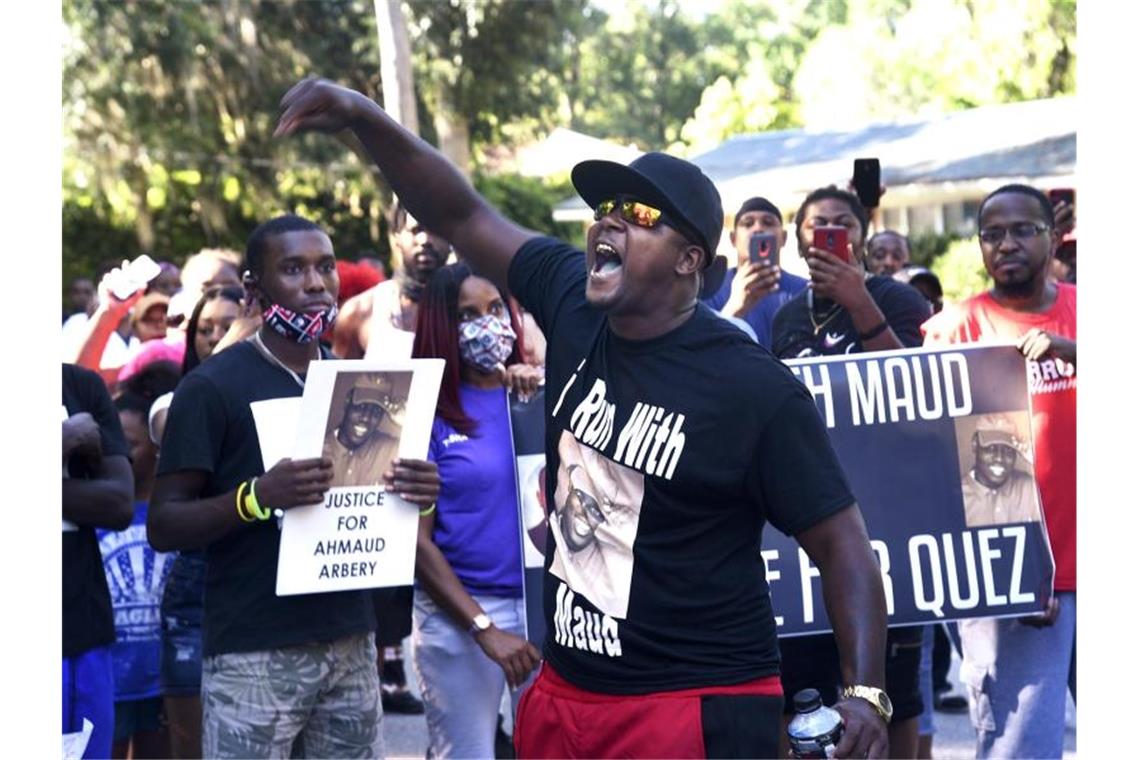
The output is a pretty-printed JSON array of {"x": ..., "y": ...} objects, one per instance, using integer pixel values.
[{"x": 437, "y": 337}]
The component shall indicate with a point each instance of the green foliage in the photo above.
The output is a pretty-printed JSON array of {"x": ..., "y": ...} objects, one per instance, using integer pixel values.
[
  {"x": 935, "y": 56},
  {"x": 168, "y": 114},
  {"x": 961, "y": 270},
  {"x": 928, "y": 246},
  {"x": 638, "y": 74},
  {"x": 493, "y": 62},
  {"x": 529, "y": 202}
]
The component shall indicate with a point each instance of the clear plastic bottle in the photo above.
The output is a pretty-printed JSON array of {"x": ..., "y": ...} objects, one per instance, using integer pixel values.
[{"x": 815, "y": 729}]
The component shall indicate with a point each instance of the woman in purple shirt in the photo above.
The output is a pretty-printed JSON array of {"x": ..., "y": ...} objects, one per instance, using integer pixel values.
[{"x": 469, "y": 616}]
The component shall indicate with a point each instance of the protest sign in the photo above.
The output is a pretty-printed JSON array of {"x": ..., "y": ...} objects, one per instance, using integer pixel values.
[
  {"x": 528, "y": 427},
  {"x": 956, "y": 537},
  {"x": 360, "y": 414}
]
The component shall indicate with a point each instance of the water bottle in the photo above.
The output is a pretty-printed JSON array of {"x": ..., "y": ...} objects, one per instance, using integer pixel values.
[{"x": 815, "y": 729}]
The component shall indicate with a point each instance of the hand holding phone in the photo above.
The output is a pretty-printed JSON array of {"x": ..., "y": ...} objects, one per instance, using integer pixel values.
[
  {"x": 762, "y": 249},
  {"x": 1064, "y": 201},
  {"x": 125, "y": 281},
  {"x": 832, "y": 240}
]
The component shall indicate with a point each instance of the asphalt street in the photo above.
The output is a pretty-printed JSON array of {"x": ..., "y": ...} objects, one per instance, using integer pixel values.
[{"x": 406, "y": 735}]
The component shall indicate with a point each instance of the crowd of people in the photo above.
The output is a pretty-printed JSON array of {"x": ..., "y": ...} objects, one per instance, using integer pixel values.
[{"x": 661, "y": 634}]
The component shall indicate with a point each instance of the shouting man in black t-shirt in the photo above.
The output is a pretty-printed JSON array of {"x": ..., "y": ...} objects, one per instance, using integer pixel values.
[
  {"x": 671, "y": 439},
  {"x": 277, "y": 671},
  {"x": 845, "y": 310}
]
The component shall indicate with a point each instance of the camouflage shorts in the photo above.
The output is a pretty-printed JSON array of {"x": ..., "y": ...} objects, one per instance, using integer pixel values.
[{"x": 325, "y": 698}]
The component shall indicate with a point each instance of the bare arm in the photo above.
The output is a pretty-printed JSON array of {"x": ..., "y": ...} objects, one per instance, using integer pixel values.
[
  {"x": 180, "y": 518},
  {"x": 346, "y": 330},
  {"x": 514, "y": 654},
  {"x": 856, "y": 606},
  {"x": 430, "y": 187},
  {"x": 102, "y": 324},
  {"x": 105, "y": 501}
]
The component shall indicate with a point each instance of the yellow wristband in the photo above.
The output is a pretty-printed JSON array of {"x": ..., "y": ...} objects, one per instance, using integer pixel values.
[
  {"x": 428, "y": 511},
  {"x": 239, "y": 502},
  {"x": 251, "y": 503}
]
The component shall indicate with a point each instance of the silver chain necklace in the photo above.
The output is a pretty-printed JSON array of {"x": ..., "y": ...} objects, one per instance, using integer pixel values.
[{"x": 264, "y": 351}]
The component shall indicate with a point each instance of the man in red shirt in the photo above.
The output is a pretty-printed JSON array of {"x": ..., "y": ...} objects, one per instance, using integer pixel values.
[{"x": 1017, "y": 669}]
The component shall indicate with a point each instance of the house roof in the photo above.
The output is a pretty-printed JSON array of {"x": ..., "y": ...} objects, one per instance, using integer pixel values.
[{"x": 963, "y": 154}]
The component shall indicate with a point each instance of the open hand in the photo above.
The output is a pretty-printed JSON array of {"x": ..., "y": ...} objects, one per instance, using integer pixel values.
[
  {"x": 295, "y": 483},
  {"x": 752, "y": 284},
  {"x": 1036, "y": 344},
  {"x": 835, "y": 279},
  {"x": 521, "y": 379},
  {"x": 415, "y": 480}
]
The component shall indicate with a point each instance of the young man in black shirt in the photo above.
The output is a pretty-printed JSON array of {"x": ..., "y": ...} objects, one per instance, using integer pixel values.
[
  {"x": 845, "y": 310},
  {"x": 98, "y": 488},
  {"x": 684, "y": 435},
  {"x": 275, "y": 669}
]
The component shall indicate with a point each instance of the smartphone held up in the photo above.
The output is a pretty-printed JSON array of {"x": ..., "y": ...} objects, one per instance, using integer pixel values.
[
  {"x": 832, "y": 240},
  {"x": 124, "y": 281},
  {"x": 762, "y": 249},
  {"x": 867, "y": 180}
]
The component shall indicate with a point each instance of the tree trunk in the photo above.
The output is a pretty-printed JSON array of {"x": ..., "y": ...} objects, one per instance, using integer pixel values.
[
  {"x": 396, "y": 64},
  {"x": 453, "y": 132}
]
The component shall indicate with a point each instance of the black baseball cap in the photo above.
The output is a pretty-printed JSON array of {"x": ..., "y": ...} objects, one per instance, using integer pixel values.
[{"x": 676, "y": 186}]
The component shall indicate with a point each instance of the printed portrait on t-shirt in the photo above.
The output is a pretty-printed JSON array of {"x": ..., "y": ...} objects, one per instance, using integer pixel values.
[
  {"x": 995, "y": 459},
  {"x": 362, "y": 433},
  {"x": 595, "y": 517}
]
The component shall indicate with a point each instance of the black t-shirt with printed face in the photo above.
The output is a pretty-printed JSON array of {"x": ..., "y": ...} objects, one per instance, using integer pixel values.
[
  {"x": 664, "y": 458},
  {"x": 87, "y": 618},
  {"x": 794, "y": 336},
  {"x": 210, "y": 428}
]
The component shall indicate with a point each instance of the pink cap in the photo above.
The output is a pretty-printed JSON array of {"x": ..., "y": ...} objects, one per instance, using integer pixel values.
[{"x": 172, "y": 348}]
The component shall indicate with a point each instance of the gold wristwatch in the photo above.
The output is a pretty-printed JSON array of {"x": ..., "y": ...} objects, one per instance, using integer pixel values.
[{"x": 877, "y": 697}]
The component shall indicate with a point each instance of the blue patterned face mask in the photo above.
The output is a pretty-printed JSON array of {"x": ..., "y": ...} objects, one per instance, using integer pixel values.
[{"x": 486, "y": 342}]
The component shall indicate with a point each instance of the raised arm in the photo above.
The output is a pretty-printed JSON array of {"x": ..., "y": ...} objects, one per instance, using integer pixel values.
[{"x": 430, "y": 187}]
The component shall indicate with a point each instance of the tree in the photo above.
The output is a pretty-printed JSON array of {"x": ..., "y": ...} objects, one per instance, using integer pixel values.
[
  {"x": 168, "y": 115},
  {"x": 935, "y": 56},
  {"x": 482, "y": 65}
]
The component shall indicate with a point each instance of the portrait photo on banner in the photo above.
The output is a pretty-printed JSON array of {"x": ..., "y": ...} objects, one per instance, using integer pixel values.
[
  {"x": 995, "y": 458},
  {"x": 364, "y": 423}
]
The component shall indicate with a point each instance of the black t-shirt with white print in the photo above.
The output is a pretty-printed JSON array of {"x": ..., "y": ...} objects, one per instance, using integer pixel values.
[
  {"x": 794, "y": 336},
  {"x": 665, "y": 457}
]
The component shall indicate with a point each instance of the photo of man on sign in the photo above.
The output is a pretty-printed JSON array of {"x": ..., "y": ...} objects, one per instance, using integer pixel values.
[
  {"x": 363, "y": 432},
  {"x": 997, "y": 484}
]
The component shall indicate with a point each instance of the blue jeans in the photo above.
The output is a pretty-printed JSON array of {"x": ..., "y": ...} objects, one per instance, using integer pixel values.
[
  {"x": 926, "y": 681},
  {"x": 1016, "y": 677},
  {"x": 461, "y": 687}
]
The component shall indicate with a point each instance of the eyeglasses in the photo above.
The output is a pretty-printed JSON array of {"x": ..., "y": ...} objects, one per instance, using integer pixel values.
[
  {"x": 1020, "y": 231},
  {"x": 634, "y": 212}
]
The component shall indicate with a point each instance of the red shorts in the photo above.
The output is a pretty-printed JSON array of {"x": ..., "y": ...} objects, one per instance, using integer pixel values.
[{"x": 557, "y": 719}]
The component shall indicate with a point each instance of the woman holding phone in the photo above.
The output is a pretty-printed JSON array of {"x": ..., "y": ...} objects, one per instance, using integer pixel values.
[{"x": 469, "y": 616}]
